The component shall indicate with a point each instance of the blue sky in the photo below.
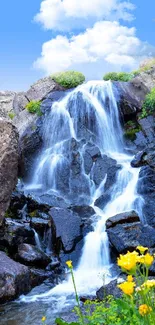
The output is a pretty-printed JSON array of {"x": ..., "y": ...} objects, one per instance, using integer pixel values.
[{"x": 22, "y": 40}]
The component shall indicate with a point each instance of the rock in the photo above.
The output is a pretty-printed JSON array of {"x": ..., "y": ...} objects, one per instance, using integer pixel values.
[
  {"x": 19, "y": 103},
  {"x": 109, "y": 290},
  {"x": 31, "y": 255},
  {"x": 8, "y": 163},
  {"x": 124, "y": 237},
  {"x": 105, "y": 166},
  {"x": 121, "y": 218},
  {"x": 139, "y": 159},
  {"x": 102, "y": 201},
  {"x": 37, "y": 276},
  {"x": 13, "y": 233},
  {"x": 14, "y": 278},
  {"x": 146, "y": 78},
  {"x": 39, "y": 224},
  {"x": 130, "y": 97},
  {"x": 40, "y": 89},
  {"x": 146, "y": 188},
  {"x": 6, "y": 103},
  {"x": 67, "y": 228}
]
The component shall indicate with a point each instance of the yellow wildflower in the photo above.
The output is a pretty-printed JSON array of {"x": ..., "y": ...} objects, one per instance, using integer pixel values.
[
  {"x": 69, "y": 264},
  {"x": 144, "y": 309},
  {"x": 142, "y": 249},
  {"x": 43, "y": 319},
  {"x": 128, "y": 261},
  {"x": 130, "y": 278},
  {"x": 148, "y": 259},
  {"x": 149, "y": 284},
  {"x": 127, "y": 287}
]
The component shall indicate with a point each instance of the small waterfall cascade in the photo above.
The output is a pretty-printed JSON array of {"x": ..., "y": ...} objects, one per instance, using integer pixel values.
[
  {"x": 91, "y": 111},
  {"x": 37, "y": 239}
]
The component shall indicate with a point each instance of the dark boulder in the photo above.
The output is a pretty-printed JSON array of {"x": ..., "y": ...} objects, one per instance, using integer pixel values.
[
  {"x": 13, "y": 233},
  {"x": 105, "y": 166},
  {"x": 102, "y": 201},
  {"x": 67, "y": 228},
  {"x": 121, "y": 218},
  {"x": 110, "y": 289},
  {"x": 32, "y": 256},
  {"x": 146, "y": 188},
  {"x": 124, "y": 237},
  {"x": 14, "y": 278}
]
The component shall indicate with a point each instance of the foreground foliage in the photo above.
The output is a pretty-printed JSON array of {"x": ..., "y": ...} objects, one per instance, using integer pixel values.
[
  {"x": 137, "y": 305},
  {"x": 68, "y": 79},
  {"x": 33, "y": 107}
]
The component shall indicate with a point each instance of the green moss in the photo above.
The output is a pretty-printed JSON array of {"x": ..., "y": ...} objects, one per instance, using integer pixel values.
[
  {"x": 68, "y": 79},
  {"x": 33, "y": 214},
  {"x": 131, "y": 133},
  {"x": 11, "y": 115},
  {"x": 33, "y": 107},
  {"x": 118, "y": 76},
  {"x": 131, "y": 128}
]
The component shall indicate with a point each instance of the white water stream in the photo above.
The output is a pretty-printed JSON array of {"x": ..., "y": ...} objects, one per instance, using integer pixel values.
[{"x": 63, "y": 123}]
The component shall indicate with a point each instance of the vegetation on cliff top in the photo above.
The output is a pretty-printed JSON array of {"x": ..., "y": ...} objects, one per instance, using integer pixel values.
[
  {"x": 68, "y": 79},
  {"x": 118, "y": 76}
]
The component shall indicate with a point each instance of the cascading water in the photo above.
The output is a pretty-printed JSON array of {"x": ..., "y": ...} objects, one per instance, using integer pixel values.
[{"x": 89, "y": 112}]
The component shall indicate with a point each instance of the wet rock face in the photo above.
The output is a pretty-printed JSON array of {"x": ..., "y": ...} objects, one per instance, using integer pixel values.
[
  {"x": 121, "y": 218},
  {"x": 67, "y": 228},
  {"x": 32, "y": 256},
  {"x": 8, "y": 163},
  {"x": 146, "y": 188},
  {"x": 128, "y": 236},
  {"x": 14, "y": 278}
]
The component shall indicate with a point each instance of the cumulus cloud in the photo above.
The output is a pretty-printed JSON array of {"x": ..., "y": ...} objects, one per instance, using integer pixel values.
[
  {"x": 77, "y": 14},
  {"x": 106, "y": 46}
]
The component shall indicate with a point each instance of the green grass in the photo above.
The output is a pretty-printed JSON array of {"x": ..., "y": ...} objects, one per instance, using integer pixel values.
[
  {"x": 68, "y": 79},
  {"x": 33, "y": 107}
]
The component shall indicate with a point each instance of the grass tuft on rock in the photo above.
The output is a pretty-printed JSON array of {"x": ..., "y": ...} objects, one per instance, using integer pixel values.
[{"x": 68, "y": 79}]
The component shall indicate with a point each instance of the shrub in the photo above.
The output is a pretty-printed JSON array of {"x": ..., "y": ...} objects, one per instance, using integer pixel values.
[
  {"x": 11, "y": 115},
  {"x": 149, "y": 102},
  {"x": 148, "y": 107},
  {"x": 68, "y": 79},
  {"x": 33, "y": 107},
  {"x": 118, "y": 76}
]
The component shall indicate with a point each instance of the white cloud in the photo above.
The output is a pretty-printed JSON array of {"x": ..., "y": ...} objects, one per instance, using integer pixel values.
[
  {"x": 105, "y": 46},
  {"x": 77, "y": 14}
]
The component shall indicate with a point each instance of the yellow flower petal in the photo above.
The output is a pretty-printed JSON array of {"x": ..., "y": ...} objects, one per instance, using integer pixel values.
[
  {"x": 69, "y": 264},
  {"x": 127, "y": 287},
  {"x": 130, "y": 278},
  {"x": 144, "y": 309},
  {"x": 142, "y": 249},
  {"x": 128, "y": 261},
  {"x": 43, "y": 319}
]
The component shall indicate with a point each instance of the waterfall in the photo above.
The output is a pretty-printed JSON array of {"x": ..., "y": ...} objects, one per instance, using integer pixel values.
[
  {"x": 91, "y": 107},
  {"x": 37, "y": 240}
]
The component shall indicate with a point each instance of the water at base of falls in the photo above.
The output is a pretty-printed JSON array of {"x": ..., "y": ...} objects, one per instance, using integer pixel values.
[{"x": 93, "y": 104}]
